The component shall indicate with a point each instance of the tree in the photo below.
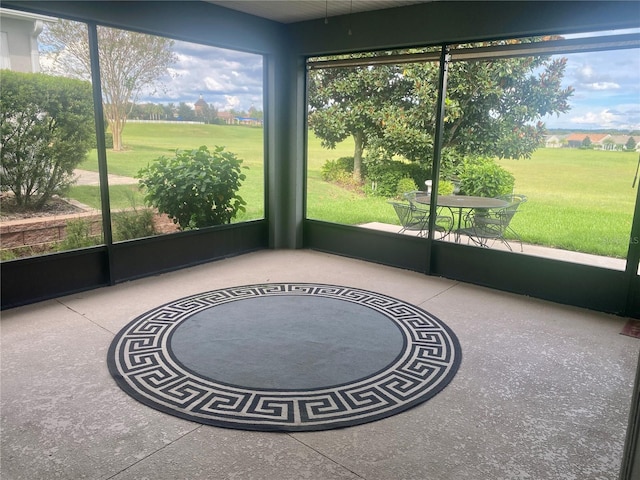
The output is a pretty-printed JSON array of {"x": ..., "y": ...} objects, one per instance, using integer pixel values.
[
  {"x": 209, "y": 113},
  {"x": 255, "y": 113},
  {"x": 609, "y": 144},
  {"x": 631, "y": 144},
  {"x": 129, "y": 62},
  {"x": 186, "y": 113},
  {"x": 493, "y": 108},
  {"x": 47, "y": 129},
  {"x": 348, "y": 101}
]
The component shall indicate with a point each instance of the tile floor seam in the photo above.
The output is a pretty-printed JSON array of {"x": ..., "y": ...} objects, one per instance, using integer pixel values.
[
  {"x": 325, "y": 456},
  {"x": 154, "y": 452},
  {"x": 85, "y": 317}
]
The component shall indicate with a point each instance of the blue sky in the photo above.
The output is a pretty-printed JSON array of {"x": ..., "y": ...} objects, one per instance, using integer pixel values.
[
  {"x": 606, "y": 84},
  {"x": 226, "y": 79},
  {"x": 607, "y": 91}
]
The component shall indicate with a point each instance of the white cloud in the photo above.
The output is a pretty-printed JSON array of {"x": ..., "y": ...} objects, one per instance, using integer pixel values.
[
  {"x": 624, "y": 117},
  {"x": 213, "y": 84},
  {"x": 606, "y": 91},
  {"x": 603, "y": 86},
  {"x": 225, "y": 78},
  {"x": 232, "y": 102},
  {"x": 604, "y": 118}
]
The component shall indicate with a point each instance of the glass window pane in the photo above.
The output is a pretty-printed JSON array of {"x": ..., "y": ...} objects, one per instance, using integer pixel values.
[
  {"x": 370, "y": 140},
  {"x": 48, "y": 129},
  {"x": 186, "y": 121},
  {"x": 539, "y": 152},
  {"x": 577, "y": 173},
  {"x": 193, "y": 96}
]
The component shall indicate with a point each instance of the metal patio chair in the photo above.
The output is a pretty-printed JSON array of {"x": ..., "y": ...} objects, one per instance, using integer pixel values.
[
  {"x": 415, "y": 218},
  {"x": 483, "y": 226}
]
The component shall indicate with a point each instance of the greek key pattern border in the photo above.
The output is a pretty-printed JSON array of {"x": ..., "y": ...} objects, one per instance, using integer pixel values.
[{"x": 142, "y": 363}]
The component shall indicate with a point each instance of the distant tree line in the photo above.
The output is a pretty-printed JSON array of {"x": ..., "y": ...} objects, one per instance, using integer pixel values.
[{"x": 182, "y": 111}]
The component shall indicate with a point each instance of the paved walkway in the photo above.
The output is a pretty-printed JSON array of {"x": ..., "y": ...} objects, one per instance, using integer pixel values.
[
  {"x": 535, "y": 250},
  {"x": 86, "y": 177}
]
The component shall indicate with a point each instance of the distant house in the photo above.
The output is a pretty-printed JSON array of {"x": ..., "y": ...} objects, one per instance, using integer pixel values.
[
  {"x": 553, "y": 141},
  {"x": 200, "y": 107},
  {"x": 19, "y": 40},
  {"x": 620, "y": 141},
  {"x": 576, "y": 140},
  {"x": 227, "y": 117}
]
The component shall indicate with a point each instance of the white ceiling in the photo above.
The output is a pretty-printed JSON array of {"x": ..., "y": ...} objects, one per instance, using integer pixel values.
[{"x": 289, "y": 11}]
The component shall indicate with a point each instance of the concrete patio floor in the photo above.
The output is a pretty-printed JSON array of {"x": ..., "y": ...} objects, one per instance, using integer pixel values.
[{"x": 543, "y": 391}]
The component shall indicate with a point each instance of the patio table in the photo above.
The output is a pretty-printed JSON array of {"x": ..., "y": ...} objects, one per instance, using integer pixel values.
[{"x": 463, "y": 202}]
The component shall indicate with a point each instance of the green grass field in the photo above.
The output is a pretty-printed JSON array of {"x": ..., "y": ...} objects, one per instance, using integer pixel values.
[
  {"x": 579, "y": 200},
  {"x": 145, "y": 142}
]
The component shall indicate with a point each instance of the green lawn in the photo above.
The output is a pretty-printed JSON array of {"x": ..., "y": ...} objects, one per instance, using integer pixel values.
[
  {"x": 144, "y": 142},
  {"x": 579, "y": 200}
]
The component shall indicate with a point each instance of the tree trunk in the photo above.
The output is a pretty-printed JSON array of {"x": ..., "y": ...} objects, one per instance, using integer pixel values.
[
  {"x": 115, "y": 120},
  {"x": 117, "y": 137},
  {"x": 116, "y": 131},
  {"x": 357, "y": 156}
]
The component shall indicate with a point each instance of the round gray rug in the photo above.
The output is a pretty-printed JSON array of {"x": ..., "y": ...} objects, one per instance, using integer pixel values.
[{"x": 286, "y": 356}]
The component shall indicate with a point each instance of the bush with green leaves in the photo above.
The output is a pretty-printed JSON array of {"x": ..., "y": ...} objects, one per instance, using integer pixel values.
[
  {"x": 79, "y": 235},
  {"x": 47, "y": 128},
  {"x": 335, "y": 170},
  {"x": 405, "y": 185},
  {"x": 339, "y": 171},
  {"x": 483, "y": 177},
  {"x": 195, "y": 188},
  {"x": 384, "y": 175},
  {"x": 134, "y": 223},
  {"x": 445, "y": 187}
]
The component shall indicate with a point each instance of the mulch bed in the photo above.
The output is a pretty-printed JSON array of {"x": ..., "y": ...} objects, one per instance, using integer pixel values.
[{"x": 55, "y": 206}]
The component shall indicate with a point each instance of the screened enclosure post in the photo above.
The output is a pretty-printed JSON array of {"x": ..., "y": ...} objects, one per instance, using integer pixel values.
[
  {"x": 285, "y": 161},
  {"x": 101, "y": 147},
  {"x": 437, "y": 143},
  {"x": 633, "y": 254}
]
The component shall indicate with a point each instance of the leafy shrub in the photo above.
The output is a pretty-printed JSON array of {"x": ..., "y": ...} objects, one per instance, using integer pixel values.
[
  {"x": 340, "y": 171},
  {"x": 134, "y": 223},
  {"x": 7, "y": 254},
  {"x": 47, "y": 129},
  {"x": 445, "y": 187},
  {"x": 25, "y": 251},
  {"x": 405, "y": 185},
  {"x": 383, "y": 176},
  {"x": 483, "y": 177},
  {"x": 195, "y": 188},
  {"x": 334, "y": 170},
  {"x": 78, "y": 235}
]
